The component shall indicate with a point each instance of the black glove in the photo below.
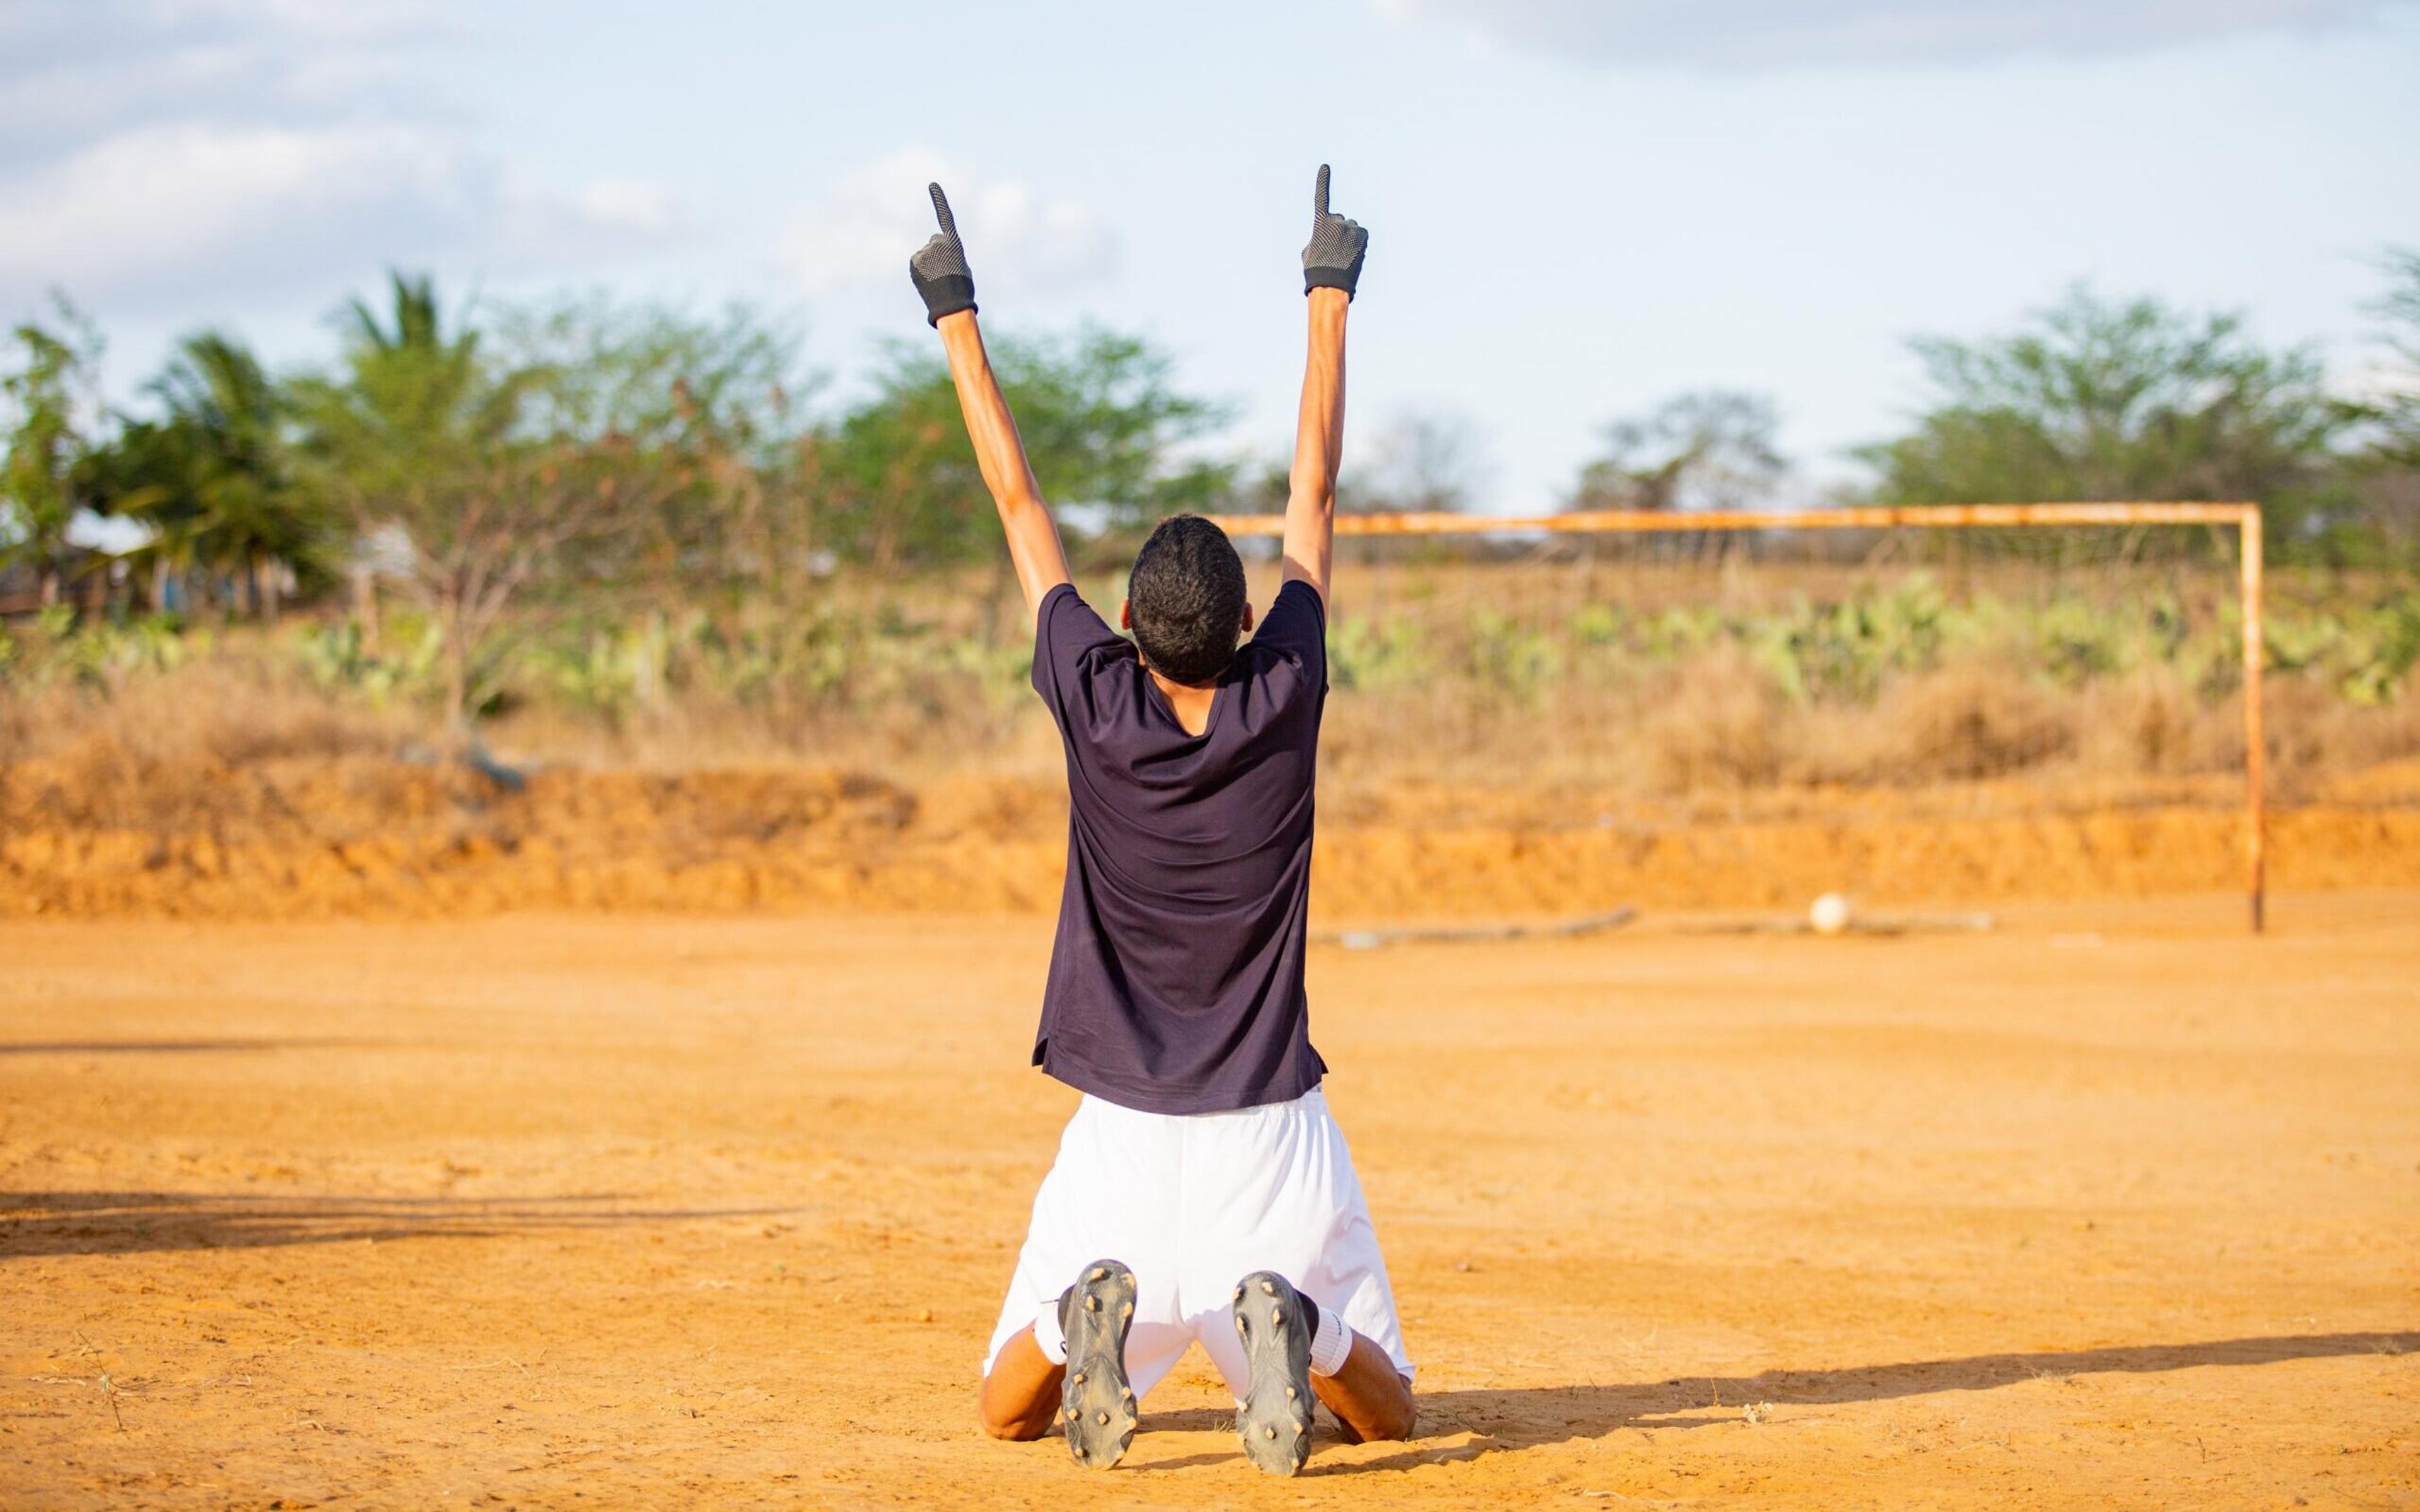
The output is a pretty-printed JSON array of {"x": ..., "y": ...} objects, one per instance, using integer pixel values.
[
  {"x": 1333, "y": 259},
  {"x": 940, "y": 267}
]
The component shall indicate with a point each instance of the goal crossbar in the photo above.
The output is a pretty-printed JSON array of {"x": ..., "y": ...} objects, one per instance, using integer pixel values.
[{"x": 2245, "y": 518}]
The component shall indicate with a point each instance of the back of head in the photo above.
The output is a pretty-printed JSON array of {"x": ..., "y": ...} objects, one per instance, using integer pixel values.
[{"x": 1187, "y": 596}]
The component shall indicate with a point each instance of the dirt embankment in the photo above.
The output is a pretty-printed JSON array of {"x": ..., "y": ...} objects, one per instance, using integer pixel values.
[{"x": 361, "y": 835}]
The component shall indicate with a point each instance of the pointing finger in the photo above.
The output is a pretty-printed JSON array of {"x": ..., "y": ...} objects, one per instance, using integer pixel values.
[
  {"x": 941, "y": 210},
  {"x": 1318, "y": 197}
]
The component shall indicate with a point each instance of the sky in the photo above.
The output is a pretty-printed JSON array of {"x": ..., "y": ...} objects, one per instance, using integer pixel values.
[{"x": 1577, "y": 208}]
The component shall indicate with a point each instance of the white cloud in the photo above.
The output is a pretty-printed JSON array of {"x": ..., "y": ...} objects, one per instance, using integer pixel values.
[
  {"x": 874, "y": 217},
  {"x": 156, "y": 210},
  {"x": 72, "y": 71},
  {"x": 1785, "y": 34},
  {"x": 638, "y": 206},
  {"x": 157, "y": 198},
  {"x": 150, "y": 149}
]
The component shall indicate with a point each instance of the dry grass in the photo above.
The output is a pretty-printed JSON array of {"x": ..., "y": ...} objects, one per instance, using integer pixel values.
[
  {"x": 1717, "y": 726},
  {"x": 152, "y": 749},
  {"x": 1491, "y": 675},
  {"x": 218, "y": 788},
  {"x": 1714, "y": 724},
  {"x": 1967, "y": 722}
]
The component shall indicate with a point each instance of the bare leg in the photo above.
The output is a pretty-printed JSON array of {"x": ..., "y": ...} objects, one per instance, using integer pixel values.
[
  {"x": 1367, "y": 1395},
  {"x": 1020, "y": 1394}
]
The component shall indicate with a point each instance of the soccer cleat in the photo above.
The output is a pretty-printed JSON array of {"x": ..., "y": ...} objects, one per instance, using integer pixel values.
[
  {"x": 1097, "y": 1403},
  {"x": 1274, "y": 1419}
]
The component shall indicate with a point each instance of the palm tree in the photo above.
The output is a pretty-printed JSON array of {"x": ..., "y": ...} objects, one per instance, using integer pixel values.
[
  {"x": 391, "y": 426},
  {"x": 417, "y": 391},
  {"x": 239, "y": 505},
  {"x": 417, "y": 437},
  {"x": 142, "y": 474}
]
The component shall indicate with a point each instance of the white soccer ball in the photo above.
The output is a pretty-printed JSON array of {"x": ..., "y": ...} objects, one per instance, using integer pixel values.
[{"x": 1830, "y": 915}]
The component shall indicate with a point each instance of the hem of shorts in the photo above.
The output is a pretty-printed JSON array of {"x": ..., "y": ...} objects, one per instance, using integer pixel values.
[{"x": 1163, "y": 1098}]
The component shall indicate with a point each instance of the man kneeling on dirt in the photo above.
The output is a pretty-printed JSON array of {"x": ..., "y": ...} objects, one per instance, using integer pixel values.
[{"x": 1202, "y": 1191}]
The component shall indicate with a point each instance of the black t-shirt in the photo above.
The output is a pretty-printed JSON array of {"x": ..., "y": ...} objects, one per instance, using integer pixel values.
[{"x": 1176, "y": 979}]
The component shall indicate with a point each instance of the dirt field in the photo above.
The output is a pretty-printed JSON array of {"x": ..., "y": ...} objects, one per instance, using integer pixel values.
[{"x": 2112, "y": 1207}]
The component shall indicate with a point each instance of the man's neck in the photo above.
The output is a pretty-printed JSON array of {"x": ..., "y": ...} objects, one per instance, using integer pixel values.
[{"x": 1191, "y": 705}]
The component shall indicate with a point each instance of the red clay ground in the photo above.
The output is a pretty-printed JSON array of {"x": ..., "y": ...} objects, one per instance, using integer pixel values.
[{"x": 2113, "y": 1208}]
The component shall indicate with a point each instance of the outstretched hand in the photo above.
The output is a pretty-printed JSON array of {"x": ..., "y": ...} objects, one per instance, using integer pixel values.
[
  {"x": 940, "y": 267},
  {"x": 1333, "y": 259}
]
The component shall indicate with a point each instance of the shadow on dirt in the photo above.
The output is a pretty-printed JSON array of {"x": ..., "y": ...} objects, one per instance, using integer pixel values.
[
  {"x": 1527, "y": 1417},
  {"x": 129, "y": 1223},
  {"x": 164, "y": 1047}
]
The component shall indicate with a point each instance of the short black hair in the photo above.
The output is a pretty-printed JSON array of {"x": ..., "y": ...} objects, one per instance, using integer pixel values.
[{"x": 1187, "y": 593}]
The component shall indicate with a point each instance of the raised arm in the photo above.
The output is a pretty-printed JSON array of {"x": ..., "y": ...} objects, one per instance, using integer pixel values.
[
  {"x": 1331, "y": 267},
  {"x": 1033, "y": 546},
  {"x": 942, "y": 276}
]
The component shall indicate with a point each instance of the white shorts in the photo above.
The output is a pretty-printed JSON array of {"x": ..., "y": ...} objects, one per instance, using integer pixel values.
[{"x": 1193, "y": 1203}]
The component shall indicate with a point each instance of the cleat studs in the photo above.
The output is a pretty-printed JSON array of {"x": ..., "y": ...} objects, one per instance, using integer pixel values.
[
  {"x": 1269, "y": 1288},
  {"x": 1271, "y": 1431},
  {"x": 1091, "y": 1305},
  {"x": 1078, "y": 1378},
  {"x": 1126, "y": 1311},
  {"x": 1242, "y": 1327},
  {"x": 1098, "y": 1273},
  {"x": 1104, "y": 1420},
  {"x": 1277, "y": 1317},
  {"x": 1292, "y": 1394}
]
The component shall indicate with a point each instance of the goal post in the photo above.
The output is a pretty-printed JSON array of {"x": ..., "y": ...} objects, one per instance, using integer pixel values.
[{"x": 2245, "y": 518}]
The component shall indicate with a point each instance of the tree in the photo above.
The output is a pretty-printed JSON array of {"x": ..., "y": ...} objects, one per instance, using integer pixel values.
[
  {"x": 2098, "y": 399},
  {"x": 711, "y": 406},
  {"x": 2386, "y": 471},
  {"x": 227, "y": 486},
  {"x": 1708, "y": 450},
  {"x": 40, "y": 490},
  {"x": 1424, "y": 460},
  {"x": 570, "y": 453},
  {"x": 422, "y": 435},
  {"x": 2394, "y": 416},
  {"x": 905, "y": 485},
  {"x": 140, "y": 474},
  {"x": 396, "y": 431},
  {"x": 1102, "y": 426}
]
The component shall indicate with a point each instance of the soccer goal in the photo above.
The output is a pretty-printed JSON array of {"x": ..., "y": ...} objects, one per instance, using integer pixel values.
[{"x": 2009, "y": 525}]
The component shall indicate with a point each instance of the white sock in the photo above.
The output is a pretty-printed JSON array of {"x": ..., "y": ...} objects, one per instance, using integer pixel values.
[
  {"x": 1047, "y": 1335},
  {"x": 1331, "y": 1345}
]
